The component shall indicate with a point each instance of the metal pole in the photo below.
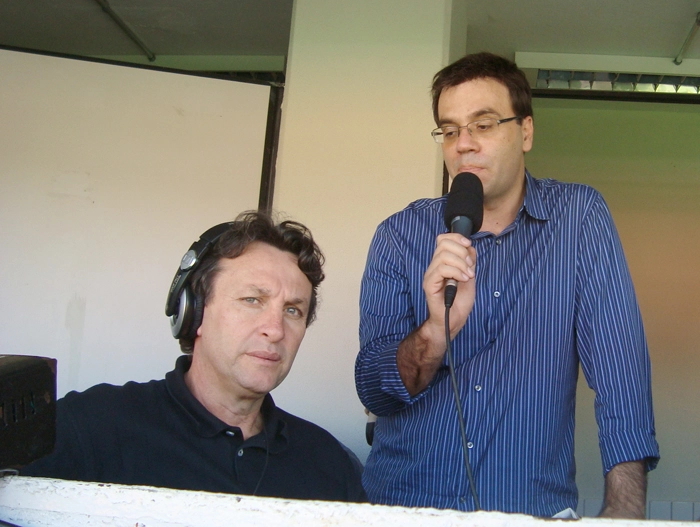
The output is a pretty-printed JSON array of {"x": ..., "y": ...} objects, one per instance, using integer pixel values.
[
  {"x": 125, "y": 27},
  {"x": 679, "y": 58}
]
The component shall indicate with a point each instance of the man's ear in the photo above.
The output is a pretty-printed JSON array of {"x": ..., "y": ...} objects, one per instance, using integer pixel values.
[
  {"x": 528, "y": 129},
  {"x": 198, "y": 315}
]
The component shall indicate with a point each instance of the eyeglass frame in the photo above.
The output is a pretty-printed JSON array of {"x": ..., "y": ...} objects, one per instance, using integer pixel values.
[{"x": 435, "y": 134}]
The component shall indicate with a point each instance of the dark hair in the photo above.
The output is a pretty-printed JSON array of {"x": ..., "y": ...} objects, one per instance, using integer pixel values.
[
  {"x": 254, "y": 226},
  {"x": 485, "y": 66}
]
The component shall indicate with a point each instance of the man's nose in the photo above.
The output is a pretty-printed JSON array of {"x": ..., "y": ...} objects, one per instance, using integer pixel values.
[
  {"x": 272, "y": 324},
  {"x": 465, "y": 141}
]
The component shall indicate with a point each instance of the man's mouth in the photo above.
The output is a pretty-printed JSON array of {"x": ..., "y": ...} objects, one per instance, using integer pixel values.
[
  {"x": 269, "y": 356},
  {"x": 469, "y": 168}
]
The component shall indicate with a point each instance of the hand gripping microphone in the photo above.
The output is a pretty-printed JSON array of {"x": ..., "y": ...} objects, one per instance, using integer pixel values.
[{"x": 464, "y": 213}]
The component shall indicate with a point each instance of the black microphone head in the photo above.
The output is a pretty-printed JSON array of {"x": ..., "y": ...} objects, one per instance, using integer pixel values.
[{"x": 466, "y": 198}]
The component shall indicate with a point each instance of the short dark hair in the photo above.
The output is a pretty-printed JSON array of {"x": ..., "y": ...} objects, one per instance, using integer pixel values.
[
  {"x": 485, "y": 66},
  {"x": 255, "y": 226}
]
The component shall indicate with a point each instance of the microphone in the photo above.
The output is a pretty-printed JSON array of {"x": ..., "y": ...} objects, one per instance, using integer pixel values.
[{"x": 464, "y": 213}]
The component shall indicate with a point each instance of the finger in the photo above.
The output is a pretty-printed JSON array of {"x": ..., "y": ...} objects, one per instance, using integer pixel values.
[
  {"x": 434, "y": 279},
  {"x": 471, "y": 262},
  {"x": 455, "y": 256},
  {"x": 454, "y": 237},
  {"x": 449, "y": 247}
]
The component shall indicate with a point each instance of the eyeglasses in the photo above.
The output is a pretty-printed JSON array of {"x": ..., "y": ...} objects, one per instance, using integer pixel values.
[{"x": 477, "y": 129}]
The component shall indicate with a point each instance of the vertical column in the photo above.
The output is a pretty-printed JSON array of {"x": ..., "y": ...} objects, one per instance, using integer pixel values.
[{"x": 355, "y": 147}]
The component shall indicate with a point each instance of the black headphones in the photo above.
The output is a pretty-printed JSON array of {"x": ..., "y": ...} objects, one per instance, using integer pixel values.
[{"x": 184, "y": 308}]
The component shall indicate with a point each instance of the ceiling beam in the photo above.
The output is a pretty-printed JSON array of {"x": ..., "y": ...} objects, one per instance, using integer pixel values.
[{"x": 207, "y": 62}]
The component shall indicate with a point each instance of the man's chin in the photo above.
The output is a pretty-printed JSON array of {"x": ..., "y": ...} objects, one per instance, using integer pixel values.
[{"x": 261, "y": 385}]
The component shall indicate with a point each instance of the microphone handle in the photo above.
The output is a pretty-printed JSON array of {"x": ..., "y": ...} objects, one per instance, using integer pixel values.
[
  {"x": 450, "y": 291},
  {"x": 462, "y": 225}
]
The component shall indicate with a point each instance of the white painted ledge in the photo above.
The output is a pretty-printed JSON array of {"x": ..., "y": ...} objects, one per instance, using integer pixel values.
[{"x": 40, "y": 502}]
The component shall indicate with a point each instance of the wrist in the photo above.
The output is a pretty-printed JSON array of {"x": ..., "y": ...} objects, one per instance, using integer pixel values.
[
  {"x": 418, "y": 358},
  {"x": 432, "y": 337}
]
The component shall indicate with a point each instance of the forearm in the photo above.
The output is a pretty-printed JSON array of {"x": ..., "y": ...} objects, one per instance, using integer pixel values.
[
  {"x": 421, "y": 353},
  {"x": 399, "y": 360},
  {"x": 625, "y": 491},
  {"x": 419, "y": 357}
]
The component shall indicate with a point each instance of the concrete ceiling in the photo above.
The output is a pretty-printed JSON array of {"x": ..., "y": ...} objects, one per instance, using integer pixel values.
[
  {"x": 644, "y": 28},
  {"x": 259, "y": 29}
]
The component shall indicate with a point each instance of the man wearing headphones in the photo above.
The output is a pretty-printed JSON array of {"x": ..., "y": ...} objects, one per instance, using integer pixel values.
[{"x": 239, "y": 304}]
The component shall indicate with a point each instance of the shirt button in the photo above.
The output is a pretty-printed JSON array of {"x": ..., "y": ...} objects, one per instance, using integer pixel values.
[
  {"x": 498, "y": 242},
  {"x": 240, "y": 452},
  {"x": 470, "y": 445},
  {"x": 496, "y": 294},
  {"x": 463, "y": 500},
  {"x": 230, "y": 433},
  {"x": 477, "y": 387}
]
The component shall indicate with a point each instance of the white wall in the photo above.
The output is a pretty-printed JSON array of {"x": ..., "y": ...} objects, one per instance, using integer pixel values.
[
  {"x": 108, "y": 174},
  {"x": 355, "y": 147}
]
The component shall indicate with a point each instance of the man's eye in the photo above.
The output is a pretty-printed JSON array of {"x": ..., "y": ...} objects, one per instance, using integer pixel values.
[
  {"x": 484, "y": 126},
  {"x": 250, "y": 300},
  {"x": 449, "y": 133},
  {"x": 294, "y": 311}
]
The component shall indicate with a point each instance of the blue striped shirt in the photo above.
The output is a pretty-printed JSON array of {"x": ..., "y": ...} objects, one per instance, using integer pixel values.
[{"x": 553, "y": 291}]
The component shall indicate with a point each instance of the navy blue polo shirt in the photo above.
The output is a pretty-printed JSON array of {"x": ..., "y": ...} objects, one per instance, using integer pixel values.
[{"x": 158, "y": 434}]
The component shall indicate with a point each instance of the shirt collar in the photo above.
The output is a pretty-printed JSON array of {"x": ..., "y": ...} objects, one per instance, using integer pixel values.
[
  {"x": 533, "y": 203},
  {"x": 206, "y": 424},
  {"x": 275, "y": 428}
]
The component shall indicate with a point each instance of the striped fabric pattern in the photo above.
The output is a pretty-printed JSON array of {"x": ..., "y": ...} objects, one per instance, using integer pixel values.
[{"x": 553, "y": 291}]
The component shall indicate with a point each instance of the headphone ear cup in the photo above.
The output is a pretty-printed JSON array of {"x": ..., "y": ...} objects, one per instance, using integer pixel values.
[
  {"x": 181, "y": 322},
  {"x": 197, "y": 316}
]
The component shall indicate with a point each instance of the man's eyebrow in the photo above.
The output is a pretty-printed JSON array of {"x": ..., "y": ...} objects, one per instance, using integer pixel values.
[
  {"x": 262, "y": 291},
  {"x": 299, "y": 302},
  {"x": 485, "y": 111},
  {"x": 256, "y": 290},
  {"x": 472, "y": 117}
]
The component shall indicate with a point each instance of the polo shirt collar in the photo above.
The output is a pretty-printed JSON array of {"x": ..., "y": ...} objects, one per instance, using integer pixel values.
[{"x": 206, "y": 424}]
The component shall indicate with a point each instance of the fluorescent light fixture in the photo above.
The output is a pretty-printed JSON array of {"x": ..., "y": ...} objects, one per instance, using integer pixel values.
[{"x": 562, "y": 71}]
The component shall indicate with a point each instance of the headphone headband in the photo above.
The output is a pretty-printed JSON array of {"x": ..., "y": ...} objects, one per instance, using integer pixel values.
[{"x": 178, "y": 305}]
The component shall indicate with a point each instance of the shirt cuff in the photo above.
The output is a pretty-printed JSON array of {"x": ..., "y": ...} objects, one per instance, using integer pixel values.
[{"x": 629, "y": 445}]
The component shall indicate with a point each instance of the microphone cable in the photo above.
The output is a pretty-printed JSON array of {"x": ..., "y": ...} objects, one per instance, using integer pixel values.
[
  {"x": 458, "y": 403},
  {"x": 267, "y": 459}
]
